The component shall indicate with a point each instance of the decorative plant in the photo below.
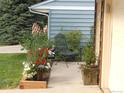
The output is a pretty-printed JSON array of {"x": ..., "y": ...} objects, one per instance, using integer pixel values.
[
  {"x": 41, "y": 62},
  {"x": 89, "y": 56},
  {"x": 90, "y": 69},
  {"x": 73, "y": 38},
  {"x": 34, "y": 69},
  {"x": 37, "y": 46},
  {"x": 33, "y": 43},
  {"x": 29, "y": 70}
]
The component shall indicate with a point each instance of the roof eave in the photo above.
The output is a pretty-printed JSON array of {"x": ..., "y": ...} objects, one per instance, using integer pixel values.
[
  {"x": 38, "y": 12},
  {"x": 39, "y": 4}
]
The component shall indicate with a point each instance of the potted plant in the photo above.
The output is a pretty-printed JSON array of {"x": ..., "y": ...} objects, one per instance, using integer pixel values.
[
  {"x": 89, "y": 69},
  {"x": 37, "y": 67},
  {"x": 35, "y": 75}
]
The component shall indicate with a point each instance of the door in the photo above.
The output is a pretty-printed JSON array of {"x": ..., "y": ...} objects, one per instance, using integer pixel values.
[{"x": 116, "y": 79}]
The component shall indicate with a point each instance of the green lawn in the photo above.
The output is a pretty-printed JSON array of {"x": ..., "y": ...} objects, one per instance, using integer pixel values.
[{"x": 11, "y": 69}]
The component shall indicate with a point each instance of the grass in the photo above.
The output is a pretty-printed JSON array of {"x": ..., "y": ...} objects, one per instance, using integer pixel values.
[{"x": 11, "y": 69}]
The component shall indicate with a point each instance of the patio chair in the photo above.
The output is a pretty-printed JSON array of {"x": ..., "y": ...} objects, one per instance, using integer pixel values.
[{"x": 62, "y": 49}]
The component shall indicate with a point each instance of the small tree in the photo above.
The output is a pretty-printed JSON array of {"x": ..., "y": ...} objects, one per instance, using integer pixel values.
[
  {"x": 15, "y": 19},
  {"x": 89, "y": 54}
]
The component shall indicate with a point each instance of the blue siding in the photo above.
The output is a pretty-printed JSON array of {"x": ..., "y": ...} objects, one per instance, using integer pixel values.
[
  {"x": 84, "y": 28},
  {"x": 73, "y": 12},
  {"x": 67, "y": 20},
  {"x": 72, "y": 3},
  {"x": 68, "y": 15},
  {"x": 76, "y": 0},
  {"x": 72, "y": 16}
]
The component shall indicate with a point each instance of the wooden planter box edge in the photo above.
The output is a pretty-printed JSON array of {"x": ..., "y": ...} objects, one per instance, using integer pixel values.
[{"x": 26, "y": 84}]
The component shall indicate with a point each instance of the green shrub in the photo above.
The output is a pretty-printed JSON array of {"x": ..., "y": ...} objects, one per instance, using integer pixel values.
[
  {"x": 16, "y": 20},
  {"x": 89, "y": 56},
  {"x": 32, "y": 43},
  {"x": 73, "y": 39}
]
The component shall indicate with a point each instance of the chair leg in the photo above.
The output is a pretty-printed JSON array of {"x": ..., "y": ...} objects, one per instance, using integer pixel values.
[
  {"x": 65, "y": 62},
  {"x": 76, "y": 61},
  {"x": 55, "y": 63}
]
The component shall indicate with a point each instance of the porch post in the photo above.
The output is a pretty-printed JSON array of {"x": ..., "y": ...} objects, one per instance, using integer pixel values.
[
  {"x": 103, "y": 40},
  {"x": 106, "y": 45}
]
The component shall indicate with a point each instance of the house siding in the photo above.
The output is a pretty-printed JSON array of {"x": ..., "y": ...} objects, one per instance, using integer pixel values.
[
  {"x": 72, "y": 3},
  {"x": 69, "y": 15},
  {"x": 76, "y": 0},
  {"x": 67, "y": 20}
]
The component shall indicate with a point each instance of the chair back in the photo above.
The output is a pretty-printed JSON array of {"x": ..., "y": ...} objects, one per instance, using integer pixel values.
[{"x": 60, "y": 43}]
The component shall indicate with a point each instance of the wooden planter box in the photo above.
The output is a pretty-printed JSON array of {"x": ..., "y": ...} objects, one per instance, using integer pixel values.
[
  {"x": 26, "y": 84},
  {"x": 42, "y": 82},
  {"x": 90, "y": 76}
]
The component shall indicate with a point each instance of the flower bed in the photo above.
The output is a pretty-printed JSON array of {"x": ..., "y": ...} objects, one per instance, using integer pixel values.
[{"x": 36, "y": 73}]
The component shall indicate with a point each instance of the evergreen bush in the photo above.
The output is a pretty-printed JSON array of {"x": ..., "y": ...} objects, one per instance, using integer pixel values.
[{"x": 15, "y": 20}]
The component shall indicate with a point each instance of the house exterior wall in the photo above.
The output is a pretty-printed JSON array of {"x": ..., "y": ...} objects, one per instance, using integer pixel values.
[
  {"x": 116, "y": 78},
  {"x": 72, "y": 3},
  {"x": 68, "y": 15},
  {"x": 68, "y": 20},
  {"x": 112, "y": 76}
]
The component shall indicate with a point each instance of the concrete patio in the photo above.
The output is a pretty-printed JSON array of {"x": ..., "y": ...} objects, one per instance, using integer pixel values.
[{"x": 62, "y": 80}]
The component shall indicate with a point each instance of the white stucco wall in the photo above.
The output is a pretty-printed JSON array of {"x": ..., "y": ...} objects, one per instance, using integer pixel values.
[{"x": 116, "y": 78}]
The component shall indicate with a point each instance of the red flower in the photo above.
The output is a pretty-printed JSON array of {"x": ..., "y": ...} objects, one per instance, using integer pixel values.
[
  {"x": 43, "y": 61},
  {"x": 42, "y": 50},
  {"x": 36, "y": 62}
]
